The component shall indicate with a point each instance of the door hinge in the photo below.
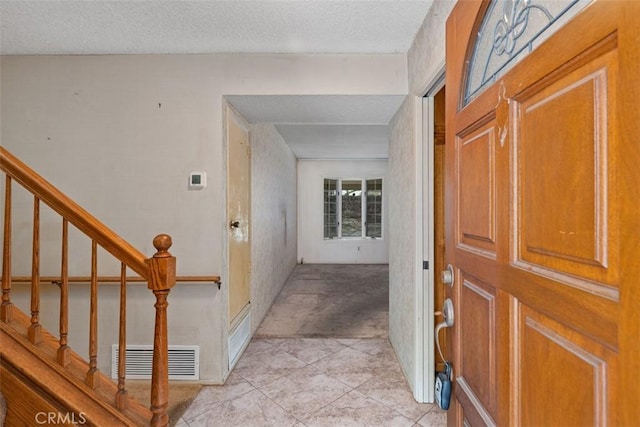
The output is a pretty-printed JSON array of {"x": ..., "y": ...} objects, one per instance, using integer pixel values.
[{"x": 425, "y": 265}]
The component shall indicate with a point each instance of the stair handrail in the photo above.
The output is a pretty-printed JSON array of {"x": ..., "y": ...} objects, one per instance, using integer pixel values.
[
  {"x": 73, "y": 212},
  {"x": 159, "y": 270}
]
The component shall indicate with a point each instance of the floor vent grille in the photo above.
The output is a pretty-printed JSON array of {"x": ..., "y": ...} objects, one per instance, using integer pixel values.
[{"x": 184, "y": 362}]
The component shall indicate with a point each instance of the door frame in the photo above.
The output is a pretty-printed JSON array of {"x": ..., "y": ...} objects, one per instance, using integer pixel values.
[
  {"x": 238, "y": 334},
  {"x": 424, "y": 370}
]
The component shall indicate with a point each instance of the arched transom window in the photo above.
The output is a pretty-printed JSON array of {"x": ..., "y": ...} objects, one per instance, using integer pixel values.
[{"x": 510, "y": 30}]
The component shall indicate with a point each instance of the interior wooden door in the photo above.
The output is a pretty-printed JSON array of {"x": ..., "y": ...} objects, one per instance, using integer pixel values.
[
  {"x": 542, "y": 200},
  {"x": 238, "y": 214}
]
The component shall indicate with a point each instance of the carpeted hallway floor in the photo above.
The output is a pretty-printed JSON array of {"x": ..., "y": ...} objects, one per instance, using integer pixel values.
[{"x": 331, "y": 301}]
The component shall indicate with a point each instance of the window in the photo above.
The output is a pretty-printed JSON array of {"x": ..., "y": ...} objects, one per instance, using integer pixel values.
[
  {"x": 351, "y": 195},
  {"x": 330, "y": 208},
  {"x": 509, "y": 31},
  {"x": 357, "y": 213},
  {"x": 374, "y": 208}
]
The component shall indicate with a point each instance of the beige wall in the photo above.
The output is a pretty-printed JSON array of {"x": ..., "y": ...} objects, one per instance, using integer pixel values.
[
  {"x": 274, "y": 217},
  {"x": 425, "y": 58},
  {"x": 402, "y": 239},
  {"x": 120, "y": 134},
  {"x": 427, "y": 52}
]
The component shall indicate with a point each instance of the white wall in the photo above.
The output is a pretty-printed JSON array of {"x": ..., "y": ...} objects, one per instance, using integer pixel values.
[
  {"x": 311, "y": 243},
  {"x": 120, "y": 135},
  {"x": 425, "y": 57},
  {"x": 274, "y": 217}
]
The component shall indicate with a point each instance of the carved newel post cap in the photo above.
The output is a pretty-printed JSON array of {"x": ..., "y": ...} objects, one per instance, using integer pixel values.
[{"x": 162, "y": 243}]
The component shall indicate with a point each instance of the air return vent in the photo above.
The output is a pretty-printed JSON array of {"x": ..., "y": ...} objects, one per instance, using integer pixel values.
[{"x": 184, "y": 362}]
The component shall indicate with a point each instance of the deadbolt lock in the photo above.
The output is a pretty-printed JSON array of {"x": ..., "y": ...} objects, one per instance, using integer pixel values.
[{"x": 447, "y": 276}]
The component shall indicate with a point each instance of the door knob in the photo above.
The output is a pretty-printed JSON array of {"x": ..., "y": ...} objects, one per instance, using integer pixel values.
[
  {"x": 447, "y": 276},
  {"x": 234, "y": 224}
]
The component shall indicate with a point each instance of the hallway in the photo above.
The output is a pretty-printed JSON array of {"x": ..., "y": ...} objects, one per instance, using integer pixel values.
[
  {"x": 331, "y": 301},
  {"x": 320, "y": 358}
]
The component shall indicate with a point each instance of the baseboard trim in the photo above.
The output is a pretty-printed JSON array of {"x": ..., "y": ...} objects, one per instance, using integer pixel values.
[{"x": 239, "y": 338}]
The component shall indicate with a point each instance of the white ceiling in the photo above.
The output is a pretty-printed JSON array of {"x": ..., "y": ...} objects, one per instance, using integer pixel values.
[
  {"x": 201, "y": 26},
  {"x": 326, "y": 127},
  {"x": 337, "y": 141},
  {"x": 356, "y": 125}
]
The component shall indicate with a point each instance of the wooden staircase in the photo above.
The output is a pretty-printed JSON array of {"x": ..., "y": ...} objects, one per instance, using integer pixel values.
[
  {"x": 35, "y": 385},
  {"x": 42, "y": 380}
]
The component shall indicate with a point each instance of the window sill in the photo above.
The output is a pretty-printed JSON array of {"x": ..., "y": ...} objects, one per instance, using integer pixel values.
[{"x": 352, "y": 239}]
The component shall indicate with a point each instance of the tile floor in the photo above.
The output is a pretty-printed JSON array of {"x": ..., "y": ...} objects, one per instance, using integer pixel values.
[
  {"x": 320, "y": 358},
  {"x": 313, "y": 382}
]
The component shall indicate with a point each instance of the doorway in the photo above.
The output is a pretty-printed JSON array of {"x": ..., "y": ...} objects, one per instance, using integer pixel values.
[
  {"x": 438, "y": 215},
  {"x": 429, "y": 294}
]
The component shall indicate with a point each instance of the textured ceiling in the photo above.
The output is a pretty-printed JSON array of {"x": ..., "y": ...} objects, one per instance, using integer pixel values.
[
  {"x": 337, "y": 141},
  {"x": 318, "y": 109},
  {"x": 314, "y": 126},
  {"x": 326, "y": 126},
  {"x": 213, "y": 26}
]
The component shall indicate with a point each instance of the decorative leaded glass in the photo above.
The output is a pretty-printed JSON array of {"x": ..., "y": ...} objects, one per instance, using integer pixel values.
[
  {"x": 352, "y": 208},
  {"x": 509, "y": 31},
  {"x": 374, "y": 208},
  {"x": 330, "y": 208}
]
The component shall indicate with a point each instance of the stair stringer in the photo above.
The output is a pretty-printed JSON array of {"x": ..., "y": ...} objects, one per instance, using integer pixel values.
[{"x": 32, "y": 382}]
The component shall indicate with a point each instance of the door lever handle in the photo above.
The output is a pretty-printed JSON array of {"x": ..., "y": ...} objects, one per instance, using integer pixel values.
[
  {"x": 234, "y": 224},
  {"x": 447, "y": 312}
]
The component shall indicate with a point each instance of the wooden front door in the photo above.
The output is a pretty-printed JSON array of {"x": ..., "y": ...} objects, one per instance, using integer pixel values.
[
  {"x": 542, "y": 200},
  {"x": 238, "y": 214}
]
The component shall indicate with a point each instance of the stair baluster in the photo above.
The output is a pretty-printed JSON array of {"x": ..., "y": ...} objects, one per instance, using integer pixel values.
[
  {"x": 63, "y": 350},
  {"x": 35, "y": 335},
  {"x": 92, "y": 374},
  {"x": 121, "y": 395},
  {"x": 6, "y": 309}
]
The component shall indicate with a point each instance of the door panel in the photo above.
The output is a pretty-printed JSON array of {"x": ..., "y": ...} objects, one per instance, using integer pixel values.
[
  {"x": 563, "y": 229},
  {"x": 477, "y": 203},
  {"x": 542, "y": 226},
  {"x": 478, "y": 340},
  {"x": 238, "y": 214},
  {"x": 580, "y": 398}
]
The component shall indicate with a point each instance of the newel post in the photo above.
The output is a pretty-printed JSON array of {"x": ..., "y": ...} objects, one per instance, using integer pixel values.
[{"x": 162, "y": 277}]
